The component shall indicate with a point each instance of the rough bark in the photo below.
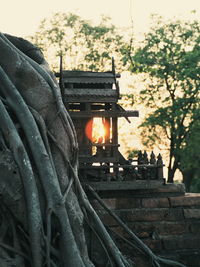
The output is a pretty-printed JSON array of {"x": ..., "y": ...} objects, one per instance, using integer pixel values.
[{"x": 27, "y": 87}]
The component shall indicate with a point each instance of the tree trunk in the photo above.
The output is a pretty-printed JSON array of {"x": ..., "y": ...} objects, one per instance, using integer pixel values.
[
  {"x": 171, "y": 172},
  {"x": 188, "y": 176},
  {"x": 173, "y": 164}
]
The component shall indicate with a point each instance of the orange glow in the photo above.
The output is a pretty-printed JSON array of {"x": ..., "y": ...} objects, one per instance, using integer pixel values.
[
  {"x": 96, "y": 130},
  {"x": 88, "y": 129}
]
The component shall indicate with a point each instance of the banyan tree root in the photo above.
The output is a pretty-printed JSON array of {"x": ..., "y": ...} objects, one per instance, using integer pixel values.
[
  {"x": 32, "y": 115},
  {"x": 46, "y": 220}
]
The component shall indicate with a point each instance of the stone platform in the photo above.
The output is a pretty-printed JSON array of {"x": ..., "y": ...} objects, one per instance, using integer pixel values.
[{"x": 165, "y": 217}]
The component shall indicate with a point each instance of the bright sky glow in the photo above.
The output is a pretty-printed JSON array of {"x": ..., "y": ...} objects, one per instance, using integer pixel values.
[{"x": 22, "y": 17}]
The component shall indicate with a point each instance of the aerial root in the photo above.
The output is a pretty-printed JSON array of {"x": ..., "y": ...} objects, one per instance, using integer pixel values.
[
  {"x": 30, "y": 189},
  {"x": 46, "y": 172}
]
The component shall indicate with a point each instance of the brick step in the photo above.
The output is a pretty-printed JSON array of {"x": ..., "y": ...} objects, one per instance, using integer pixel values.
[
  {"x": 179, "y": 242},
  {"x": 160, "y": 242},
  {"x": 144, "y": 215},
  {"x": 186, "y": 241},
  {"x": 136, "y": 189},
  {"x": 190, "y": 258},
  {"x": 188, "y": 201},
  {"x": 169, "y": 243},
  {"x": 158, "y": 229}
]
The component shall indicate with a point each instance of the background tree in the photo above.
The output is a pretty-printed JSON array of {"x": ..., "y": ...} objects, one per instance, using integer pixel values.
[
  {"x": 169, "y": 57},
  {"x": 190, "y": 158},
  {"x": 84, "y": 46}
]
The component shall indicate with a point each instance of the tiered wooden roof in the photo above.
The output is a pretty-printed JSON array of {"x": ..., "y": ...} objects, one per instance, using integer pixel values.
[
  {"x": 93, "y": 87},
  {"x": 89, "y": 86}
]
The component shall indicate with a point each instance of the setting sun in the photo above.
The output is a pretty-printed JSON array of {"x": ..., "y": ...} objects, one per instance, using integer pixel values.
[{"x": 96, "y": 130}]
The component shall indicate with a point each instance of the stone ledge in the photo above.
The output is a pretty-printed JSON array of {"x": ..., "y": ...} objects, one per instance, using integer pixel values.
[
  {"x": 195, "y": 227},
  {"x": 125, "y": 185},
  {"x": 155, "y": 230},
  {"x": 157, "y": 214},
  {"x": 191, "y": 213},
  {"x": 135, "y": 189},
  {"x": 189, "y": 257},
  {"x": 189, "y": 241},
  {"x": 189, "y": 199},
  {"x": 117, "y": 203},
  {"x": 155, "y": 202},
  {"x": 136, "y": 185},
  {"x": 172, "y": 228},
  {"x": 144, "y": 215}
]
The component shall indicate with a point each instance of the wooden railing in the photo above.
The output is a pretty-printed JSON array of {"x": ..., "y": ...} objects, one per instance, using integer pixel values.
[{"x": 143, "y": 167}]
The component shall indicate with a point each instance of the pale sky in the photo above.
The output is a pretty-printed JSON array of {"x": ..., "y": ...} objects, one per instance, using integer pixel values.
[{"x": 22, "y": 17}]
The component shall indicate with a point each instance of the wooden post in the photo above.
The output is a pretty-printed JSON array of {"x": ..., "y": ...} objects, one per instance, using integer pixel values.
[
  {"x": 140, "y": 162},
  {"x": 115, "y": 140}
]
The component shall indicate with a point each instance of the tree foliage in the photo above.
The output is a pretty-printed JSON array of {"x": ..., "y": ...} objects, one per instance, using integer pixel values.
[
  {"x": 190, "y": 158},
  {"x": 169, "y": 57},
  {"x": 84, "y": 46}
]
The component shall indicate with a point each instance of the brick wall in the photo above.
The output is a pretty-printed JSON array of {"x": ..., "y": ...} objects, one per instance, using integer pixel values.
[{"x": 168, "y": 224}]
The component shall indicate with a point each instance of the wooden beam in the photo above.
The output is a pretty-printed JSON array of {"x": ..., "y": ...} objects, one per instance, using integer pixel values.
[{"x": 104, "y": 114}]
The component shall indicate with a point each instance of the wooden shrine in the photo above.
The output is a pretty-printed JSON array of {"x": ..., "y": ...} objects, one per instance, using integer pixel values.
[{"x": 90, "y": 98}]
